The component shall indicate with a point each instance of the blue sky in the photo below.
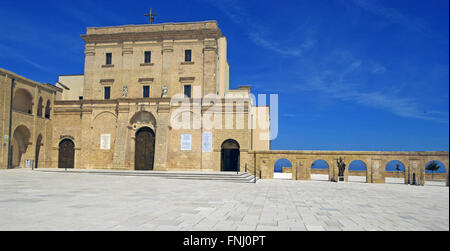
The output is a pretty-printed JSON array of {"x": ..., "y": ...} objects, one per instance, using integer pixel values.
[{"x": 351, "y": 74}]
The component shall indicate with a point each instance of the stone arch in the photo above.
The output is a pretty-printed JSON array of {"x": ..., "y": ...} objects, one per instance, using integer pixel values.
[
  {"x": 19, "y": 144},
  {"x": 320, "y": 170},
  {"x": 230, "y": 156},
  {"x": 143, "y": 119},
  {"x": 40, "y": 107},
  {"x": 66, "y": 154},
  {"x": 395, "y": 172},
  {"x": 23, "y": 101},
  {"x": 283, "y": 169},
  {"x": 104, "y": 130},
  {"x": 104, "y": 112},
  {"x": 48, "y": 108},
  {"x": 440, "y": 175},
  {"x": 357, "y": 171},
  {"x": 105, "y": 120}
]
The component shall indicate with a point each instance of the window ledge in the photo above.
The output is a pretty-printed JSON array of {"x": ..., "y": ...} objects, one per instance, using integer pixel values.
[
  {"x": 187, "y": 63},
  {"x": 22, "y": 112},
  {"x": 108, "y": 66},
  {"x": 147, "y": 64}
]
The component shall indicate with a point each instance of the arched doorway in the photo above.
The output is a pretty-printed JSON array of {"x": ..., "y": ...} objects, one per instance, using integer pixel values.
[
  {"x": 357, "y": 171},
  {"x": 39, "y": 108},
  {"x": 23, "y": 101},
  {"x": 19, "y": 145},
  {"x": 282, "y": 170},
  {"x": 320, "y": 170},
  {"x": 66, "y": 154},
  {"x": 395, "y": 172},
  {"x": 48, "y": 109},
  {"x": 230, "y": 157},
  {"x": 435, "y": 173},
  {"x": 38, "y": 150},
  {"x": 144, "y": 149}
]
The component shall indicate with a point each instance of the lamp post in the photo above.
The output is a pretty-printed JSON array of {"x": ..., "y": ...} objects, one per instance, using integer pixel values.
[
  {"x": 10, "y": 124},
  {"x": 254, "y": 154}
]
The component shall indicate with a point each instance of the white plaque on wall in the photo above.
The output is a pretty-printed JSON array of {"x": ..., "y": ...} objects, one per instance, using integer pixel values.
[
  {"x": 105, "y": 142},
  {"x": 207, "y": 142},
  {"x": 28, "y": 163},
  {"x": 186, "y": 142}
]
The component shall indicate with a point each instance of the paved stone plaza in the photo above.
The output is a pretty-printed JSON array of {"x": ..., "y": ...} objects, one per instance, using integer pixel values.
[{"x": 36, "y": 200}]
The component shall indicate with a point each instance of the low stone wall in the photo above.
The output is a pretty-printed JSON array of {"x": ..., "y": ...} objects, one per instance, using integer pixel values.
[
  {"x": 357, "y": 173},
  {"x": 428, "y": 176},
  {"x": 375, "y": 162},
  {"x": 394, "y": 174},
  {"x": 287, "y": 169},
  {"x": 436, "y": 176},
  {"x": 320, "y": 171}
]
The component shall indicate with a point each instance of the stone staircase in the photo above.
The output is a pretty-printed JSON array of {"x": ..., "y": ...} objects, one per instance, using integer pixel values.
[{"x": 181, "y": 175}]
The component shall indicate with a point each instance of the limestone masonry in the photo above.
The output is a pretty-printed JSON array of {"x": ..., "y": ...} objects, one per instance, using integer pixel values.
[{"x": 157, "y": 97}]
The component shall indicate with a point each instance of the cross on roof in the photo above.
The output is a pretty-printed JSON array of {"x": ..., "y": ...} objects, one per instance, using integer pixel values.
[{"x": 151, "y": 16}]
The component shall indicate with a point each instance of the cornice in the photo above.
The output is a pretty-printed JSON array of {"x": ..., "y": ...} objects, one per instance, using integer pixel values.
[{"x": 152, "y": 36}]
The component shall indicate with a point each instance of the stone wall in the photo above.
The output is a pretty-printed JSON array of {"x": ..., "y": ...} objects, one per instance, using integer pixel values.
[
  {"x": 207, "y": 73},
  {"x": 357, "y": 173},
  {"x": 287, "y": 170},
  {"x": 375, "y": 162},
  {"x": 167, "y": 67},
  {"x": 32, "y": 120},
  {"x": 85, "y": 122},
  {"x": 320, "y": 171}
]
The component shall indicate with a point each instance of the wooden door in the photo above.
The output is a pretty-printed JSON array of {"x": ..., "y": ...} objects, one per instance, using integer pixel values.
[
  {"x": 145, "y": 149},
  {"x": 66, "y": 155}
]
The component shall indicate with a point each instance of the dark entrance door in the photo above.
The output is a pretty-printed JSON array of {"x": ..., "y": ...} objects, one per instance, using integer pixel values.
[
  {"x": 66, "y": 155},
  {"x": 145, "y": 149},
  {"x": 230, "y": 156}
]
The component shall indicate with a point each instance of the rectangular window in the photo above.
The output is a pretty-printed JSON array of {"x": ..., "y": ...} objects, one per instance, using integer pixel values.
[
  {"x": 188, "y": 55},
  {"x": 108, "y": 58},
  {"x": 187, "y": 91},
  {"x": 107, "y": 92},
  {"x": 148, "y": 57},
  {"x": 146, "y": 91}
]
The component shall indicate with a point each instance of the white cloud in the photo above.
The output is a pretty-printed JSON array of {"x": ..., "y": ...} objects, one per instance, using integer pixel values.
[
  {"x": 390, "y": 14},
  {"x": 336, "y": 84},
  {"x": 6, "y": 50},
  {"x": 378, "y": 69},
  {"x": 237, "y": 13},
  {"x": 259, "y": 40}
]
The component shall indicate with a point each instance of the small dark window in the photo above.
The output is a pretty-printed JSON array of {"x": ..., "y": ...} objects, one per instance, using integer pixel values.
[
  {"x": 40, "y": 105},
  {"x": 146, "y": 91},
  {"x": 148, "y": 57},
  {"x": 187, "y": 91},
  {"x": 108, "y": 58},
  {"x": 80, "y": 98},
  {"x": 107, "y": 92},
  {"x": 47, "y": 109},
  {"x": 188, "y": 55}
]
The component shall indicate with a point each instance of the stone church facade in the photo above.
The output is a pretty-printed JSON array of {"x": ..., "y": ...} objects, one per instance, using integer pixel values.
[
  {"x": 157, "y": 97},
  {"x": 121, "y": 113}
]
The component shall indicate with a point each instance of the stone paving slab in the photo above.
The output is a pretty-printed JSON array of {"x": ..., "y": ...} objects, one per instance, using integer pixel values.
[{"x": 33, "y": 200}]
